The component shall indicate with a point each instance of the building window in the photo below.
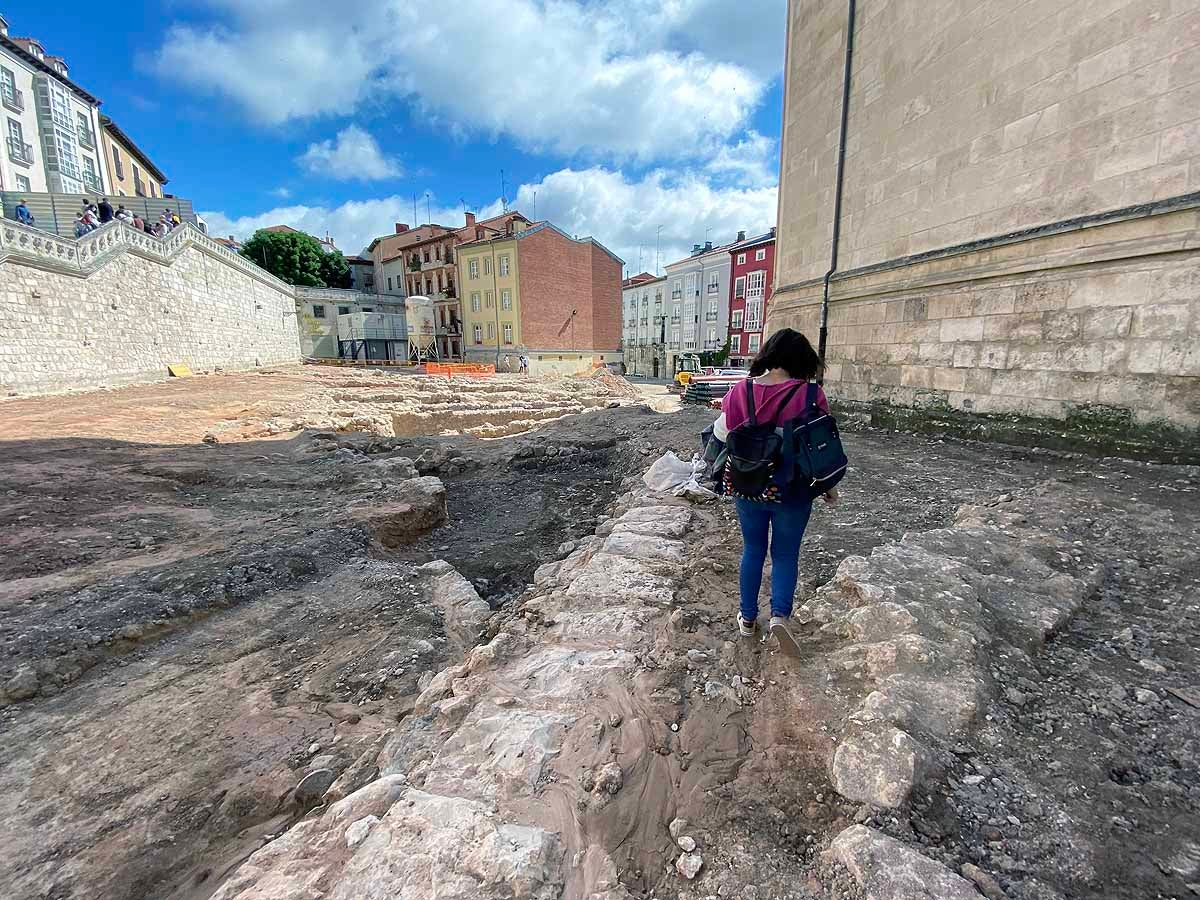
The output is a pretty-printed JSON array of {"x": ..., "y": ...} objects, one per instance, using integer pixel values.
[
  {"x": 754, "y": 311},
  {"x": 426, "y": 254},
  {"x": 752, "y": 342},
  {"x": 504, "y": 265},
  {"x": 318, "y": 310},
  {"x": 736, "y": 321},
  {"x": 489, "y": 299},
  {"x": 491, "y": 331},
  {"x": 691, "y": 285},
  {"x": 760, "y": 254},
  {"x": 507, "y": 333},
  {"x": 757, "y": 285},
  {"x": 714, "y": 282},
  {"x": 479, "y": 334},
  {"x": 677, "y": 291},
  {"x": 343, "y": 310},
  {"x": 506, "y": 299},
  {"x": 487, "y": 266},
  {"x": 739, "y": 286},
  {"x": 741, "y": 259},
  {"x": 368, "y": 309},
  {"x": 473, "y": 269},
  {"x": 23, "y": 184},
  {"x": 86, "y": 138},
  {"x": 139, "y": 186},
  {"x": 475, "y": 304},
  {"x": 735, "y": 344},
  {"x": 389, "y": 282},
  {"x": 118, "y": 166}
]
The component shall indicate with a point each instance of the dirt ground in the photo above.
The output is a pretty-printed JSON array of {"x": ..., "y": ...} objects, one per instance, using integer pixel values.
[{"x": 207, "y": 619}]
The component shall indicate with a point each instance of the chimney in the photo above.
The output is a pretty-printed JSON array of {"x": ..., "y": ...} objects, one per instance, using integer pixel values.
[
  {"x": 695, "y": 248},
  {"x": 741, "y": 236},
  {"x": 470, "y": 219},
  {"x": 707, "y": 245},
  {"x": 401, "y": 228}
]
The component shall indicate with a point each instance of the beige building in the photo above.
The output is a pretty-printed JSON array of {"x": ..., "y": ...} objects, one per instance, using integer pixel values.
[
  {"x": 1020, "y": 205},
  {"x": 130, "y": 171}
]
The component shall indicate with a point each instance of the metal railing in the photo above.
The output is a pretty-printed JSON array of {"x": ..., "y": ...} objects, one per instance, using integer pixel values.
[
  {"x": 644, "y": 321},
  {"x": 13, "y": 98},
  {"x": 20, "y": 152},
  {"x": 675, "y": 320},
  {"x": 92, "y": 180},
  {"x": 711, "y": 316},
  {"x": 713, "y": 288},
  {"x": 673, "y": 345},
  {"x": 675, "y": 295},
  {"x": 712, "y": 345}
]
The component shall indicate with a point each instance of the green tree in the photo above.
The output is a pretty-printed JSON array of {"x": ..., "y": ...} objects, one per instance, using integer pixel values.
[
  {"x": 335, "y": 271},
  {"x": 717, "y": 357},
  {"x": 291, "y": 256}
]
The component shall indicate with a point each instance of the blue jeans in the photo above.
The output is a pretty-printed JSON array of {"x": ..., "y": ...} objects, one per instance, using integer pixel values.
[{"x": 786, "y": 523}]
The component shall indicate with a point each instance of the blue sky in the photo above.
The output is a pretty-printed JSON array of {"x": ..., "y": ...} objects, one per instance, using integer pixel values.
[{"x": 621, "y": 115}]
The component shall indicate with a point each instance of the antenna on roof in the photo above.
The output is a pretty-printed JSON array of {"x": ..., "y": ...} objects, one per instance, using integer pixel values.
[
  {"x": 535, "y": 206},
  {"x": 503, "y": 198}
]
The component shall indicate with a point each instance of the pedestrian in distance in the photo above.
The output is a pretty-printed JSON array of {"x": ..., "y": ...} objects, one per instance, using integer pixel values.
[
  {"x": 507, "y": 363},
  {"x": 524, "y": 361},
  {"x": 105, "y": 211},
  {"x": 780, "y": 378},
  {"x": 24, "y": 216},
  {"x": 123, "y": 215},
  {"x": 81, "y": 227},
  {"x": 138, "y": 223}
]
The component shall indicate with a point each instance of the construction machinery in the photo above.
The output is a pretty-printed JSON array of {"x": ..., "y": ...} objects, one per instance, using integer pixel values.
[{"x": 687, "y": 367}]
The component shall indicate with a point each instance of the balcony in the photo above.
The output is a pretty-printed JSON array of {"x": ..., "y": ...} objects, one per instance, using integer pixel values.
[
  {"x": 674, "y": 320},
  {"x": 675, "y": 295},
  {"x": 714, "y": 288},
  {"x": 92, "y": 180},
  {"x": 87, "y": 139},
  {"x": 711, "y": 316},
  {"x": 13, "y": 98},
  {"x": 752, "y": 326},
  {"x": 20, "y": 152},
  {"x": 712, "y": 345},
  {"x": 644, "y": 321},
  {"x": 673, "y": 345}
]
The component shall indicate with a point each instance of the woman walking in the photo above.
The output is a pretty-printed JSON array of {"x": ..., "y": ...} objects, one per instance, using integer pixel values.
[{"x": 778, "y": 376}]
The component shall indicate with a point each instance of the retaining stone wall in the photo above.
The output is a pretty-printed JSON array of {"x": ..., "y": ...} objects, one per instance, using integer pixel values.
[{"x": 118, "y": 306}]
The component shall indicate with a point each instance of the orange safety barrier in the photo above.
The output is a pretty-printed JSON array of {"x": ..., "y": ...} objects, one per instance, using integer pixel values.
[{"x": 470, "y": 370}]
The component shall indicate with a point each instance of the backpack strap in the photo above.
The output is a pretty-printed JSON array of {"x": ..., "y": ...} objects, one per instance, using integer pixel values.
[
  {"x": 813, "y": 392},
  {"x": 750, "y": 417}
]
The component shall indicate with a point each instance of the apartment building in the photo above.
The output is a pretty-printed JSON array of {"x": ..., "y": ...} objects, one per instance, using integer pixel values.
[
  {"x": 540, "y": 292},
  {"x": 51, "y": 124},
  {"x": 421, "y": 262},
  {"x": 645, "y": 324},
  {"x": 751, "y": 279},
  {"x": 130, "y": 171},
  {"x": 698, "y": 297}
]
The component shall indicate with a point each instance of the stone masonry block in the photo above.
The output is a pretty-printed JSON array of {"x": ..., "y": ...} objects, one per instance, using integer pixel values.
[
  {"x": 993, "y": 355},
  {"x": 936, "y": 354},
  {"x": 966, "y": 329},
  {"x": 995, "y": 302},
  {"x": 949, "y": 379},
  {"x": 1038, "y": 296},
  {"x": 1080, "y": 357},
  {"x": 1107, "y": 322},
  {"x": 1111, "y": 289},
  {"x": 1032, "y": 356},
  {"x": 966, "y": 356},
  {"x": 1145, "y": 357},
  {"x": 1025, "y": 326},
  {"x": 917, "y": 376},
  {"x": 1181, "y": 358},
  {"x": 1161, "y": 320},
  {"x": 1061, "y": 325}
]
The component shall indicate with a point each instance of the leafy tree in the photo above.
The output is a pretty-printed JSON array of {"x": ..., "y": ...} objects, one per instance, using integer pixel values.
[
  {"x": 717, "y": 357},
  {"x": 335, "y": 271},
  {"x": 291, "y": 256}
]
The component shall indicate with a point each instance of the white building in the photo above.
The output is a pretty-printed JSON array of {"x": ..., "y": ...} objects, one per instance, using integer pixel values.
[
  {"x": 644, "y": 325},
  {"x": 51, "y": 125},
  {"x": 698, "y": 298}
]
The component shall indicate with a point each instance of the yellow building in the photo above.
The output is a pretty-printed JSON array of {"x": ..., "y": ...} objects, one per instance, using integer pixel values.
[
  {"x": 130, "y": 171},
  {"x": 489, "y": 286}
]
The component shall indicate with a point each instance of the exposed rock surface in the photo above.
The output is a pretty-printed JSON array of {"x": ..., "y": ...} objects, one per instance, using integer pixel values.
[
  {"x": 404, "y": 510},
  {"x": 888, "y": 870}
]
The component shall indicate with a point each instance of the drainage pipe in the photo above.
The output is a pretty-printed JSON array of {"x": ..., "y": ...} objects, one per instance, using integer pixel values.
[{"x": 823, "y": 334}]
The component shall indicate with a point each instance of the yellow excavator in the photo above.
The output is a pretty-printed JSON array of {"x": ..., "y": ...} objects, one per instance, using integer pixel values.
[{"x": 687, "y": 368}]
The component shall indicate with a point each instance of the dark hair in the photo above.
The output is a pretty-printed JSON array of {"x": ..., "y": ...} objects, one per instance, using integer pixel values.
[{"x": 789, "y": 350}]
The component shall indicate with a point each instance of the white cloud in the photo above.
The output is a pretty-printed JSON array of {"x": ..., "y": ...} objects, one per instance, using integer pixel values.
[
  {"x": 282, "y": 193},
  {"x": 621, "y": 213},
  {"x": 753, "y": 161},
  {"x": 628, "y": 79},
  {"x": 353, "y": 156}
]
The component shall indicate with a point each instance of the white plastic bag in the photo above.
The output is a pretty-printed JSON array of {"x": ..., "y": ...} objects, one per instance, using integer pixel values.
[{"x": 671, "y": 474}]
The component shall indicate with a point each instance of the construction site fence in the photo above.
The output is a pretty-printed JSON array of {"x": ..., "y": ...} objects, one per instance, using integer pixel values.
[
  {"x": 360, "y": 363},
  {"x": 466, "y": 370}
]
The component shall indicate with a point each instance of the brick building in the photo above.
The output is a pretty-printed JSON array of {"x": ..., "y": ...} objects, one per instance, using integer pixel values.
[
  {"x": 540, "y": 292},
  {"x": 750, "y": 291},
  {"x": 1017, "y": 231}
]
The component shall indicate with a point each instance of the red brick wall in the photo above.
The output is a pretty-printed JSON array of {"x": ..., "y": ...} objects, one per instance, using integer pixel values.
[
  {"x": 557, "y": 275},
  {"x": 737, "y": 303},
  {"x": 606, "y": 301}
]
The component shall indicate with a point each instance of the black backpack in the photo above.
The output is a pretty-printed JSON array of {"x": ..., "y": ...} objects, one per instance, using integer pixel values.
[{"x": 803, "y": 454}]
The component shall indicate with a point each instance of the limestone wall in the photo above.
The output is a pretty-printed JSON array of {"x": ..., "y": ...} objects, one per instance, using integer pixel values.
[
  {"x": 1097, "y": 322},
  {"x": 118, "y": 306}
]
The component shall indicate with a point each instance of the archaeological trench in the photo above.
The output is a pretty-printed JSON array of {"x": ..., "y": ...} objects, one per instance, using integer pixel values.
[{"x": 335, "y": 635}]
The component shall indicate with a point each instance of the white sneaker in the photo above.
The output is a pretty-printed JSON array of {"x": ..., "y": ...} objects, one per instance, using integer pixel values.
[
  {"x": 746, "y": 629},
  {"x": 787, "y": 643}
]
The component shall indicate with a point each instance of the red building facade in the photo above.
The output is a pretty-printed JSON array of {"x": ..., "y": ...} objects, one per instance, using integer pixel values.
[{"x": 751, "y": 272}]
